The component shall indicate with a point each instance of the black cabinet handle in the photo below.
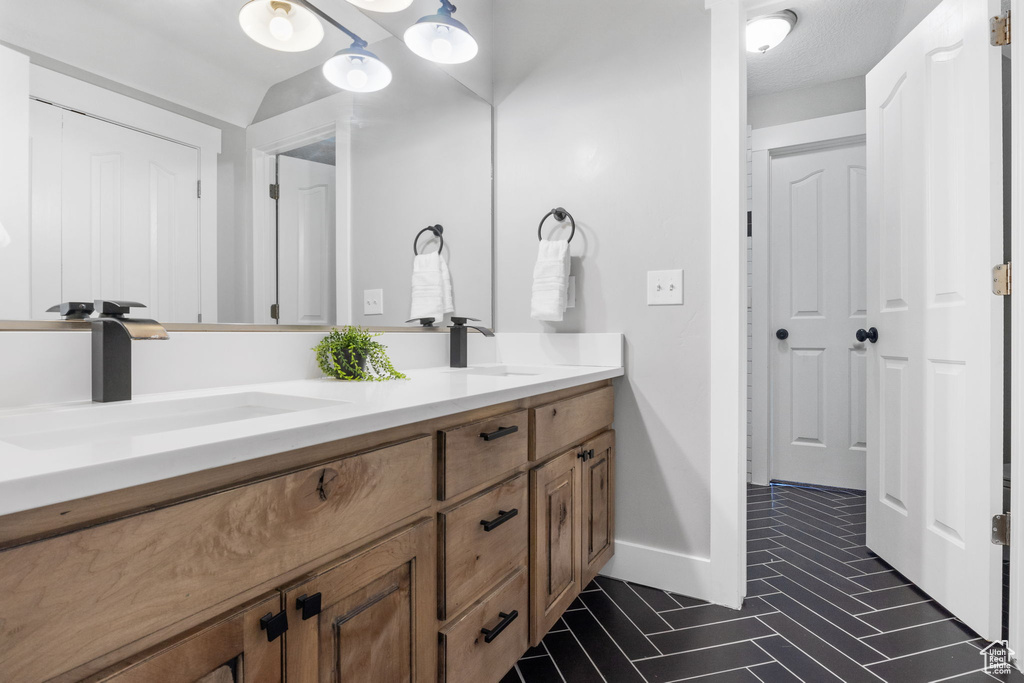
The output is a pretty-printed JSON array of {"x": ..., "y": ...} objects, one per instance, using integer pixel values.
[
  {"x": 590, "y": 454},
  {"x": 506, "y": 619},
  {"x": 309, "y": 604},
  {"x": 274, "y": 624},
  {"x": 503, "y": 516},
  {"x": 782, "y": 333},
  {"x": 498, "y": 433},
  {"x": 870, "y": 335}
]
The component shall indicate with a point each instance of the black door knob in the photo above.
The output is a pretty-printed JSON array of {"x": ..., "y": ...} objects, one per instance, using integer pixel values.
[
  {"x": 782, "y": 333},
  {"x": 870, "y": 334}
]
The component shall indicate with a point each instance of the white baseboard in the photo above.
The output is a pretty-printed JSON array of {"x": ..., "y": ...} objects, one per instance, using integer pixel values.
[{"x": 664, "y": 569}]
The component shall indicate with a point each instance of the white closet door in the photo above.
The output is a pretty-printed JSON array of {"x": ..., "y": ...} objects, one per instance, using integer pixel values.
[
  {"x": 935, "y": 378},
  {"x": 129, "y": 218},
  {"x": 306, "y": 229},
  {"x": 817, "y": 241}
]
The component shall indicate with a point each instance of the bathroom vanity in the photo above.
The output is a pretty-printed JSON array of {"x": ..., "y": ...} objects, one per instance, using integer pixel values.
[{"x": 390, "y": 537}]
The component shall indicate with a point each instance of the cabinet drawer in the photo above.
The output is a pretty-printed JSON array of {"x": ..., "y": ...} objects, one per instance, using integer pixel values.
[
  {"x": 474, "y": 555},
  {"x": 116, "y": 583},
  {"x": 473, "y": 454},
  {"x": 566, "y": 423},
  {"x": 465, "y": 655}
]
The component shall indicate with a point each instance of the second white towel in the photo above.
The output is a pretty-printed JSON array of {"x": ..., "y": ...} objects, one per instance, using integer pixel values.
[
  {"x": 431, "y": 287},
  {"x": 550, "y": 281}
]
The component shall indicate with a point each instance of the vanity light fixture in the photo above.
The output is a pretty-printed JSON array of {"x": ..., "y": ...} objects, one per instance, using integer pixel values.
[
  {"x": 768, "y": 30},
  {"x": 281, "y": 25},
  {"x": 382, "y": 5},
  {"x": 357, "y": 70},
  {"x": 441, "y": 38}
]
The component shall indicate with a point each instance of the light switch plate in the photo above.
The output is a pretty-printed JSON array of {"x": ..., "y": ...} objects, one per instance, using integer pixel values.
[
  {"x": 570, "y": 293},
  {"x": 373, "y": 302},
  {"x": 665, "y": 288}
]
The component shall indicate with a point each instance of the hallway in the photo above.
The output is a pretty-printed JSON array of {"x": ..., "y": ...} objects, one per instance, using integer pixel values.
[{"x": 820, "y": 607}]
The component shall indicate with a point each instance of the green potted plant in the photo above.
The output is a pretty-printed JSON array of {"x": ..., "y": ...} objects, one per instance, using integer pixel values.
[{"x": 352, "y": 353}]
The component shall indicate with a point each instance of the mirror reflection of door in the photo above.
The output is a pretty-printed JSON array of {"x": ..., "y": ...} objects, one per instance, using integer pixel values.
[
  {"x": 305, "y": 235},
  {"x": 115, "y": 216}
]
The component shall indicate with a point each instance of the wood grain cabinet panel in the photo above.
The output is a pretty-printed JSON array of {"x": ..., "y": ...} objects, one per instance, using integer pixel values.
[
  {"x": 479, "y": 452},
  {"x": 232, "y": 649},
  {"x": 474, "y": 555},
  {"x": 482, "y": 644},
  {"x": 98, "y": 589},
  {"x": 375, "y": 619},
  {"x": 562, "y": 424},
  {"x": 555, "y": 571},
  {"x": 598, "y": 494}
]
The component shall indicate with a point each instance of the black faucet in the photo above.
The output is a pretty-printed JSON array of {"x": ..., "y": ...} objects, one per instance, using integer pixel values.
[
  {"x": 112, "y": 335},
  {"x": 460, "y": 340}
]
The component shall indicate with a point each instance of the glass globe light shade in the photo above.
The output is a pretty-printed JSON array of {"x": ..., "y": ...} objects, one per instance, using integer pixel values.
[{"x": 766, "y": 32}]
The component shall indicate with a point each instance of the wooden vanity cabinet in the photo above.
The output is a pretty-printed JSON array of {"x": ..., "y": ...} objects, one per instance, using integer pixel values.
[
  {"x": 367, "y": 618},
  {"x": 598, "y": 499},
  {"x": 572, "y": 527},
  {"x": 232, "y": 649},
  {"x": 436, "y": 551}
]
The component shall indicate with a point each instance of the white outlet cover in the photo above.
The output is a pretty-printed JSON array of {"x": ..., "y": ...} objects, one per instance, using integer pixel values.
[
  {"x": 665, "y": 288},
  {"x": 570, "y": 293},
  {"x": 373, "y": 302}
]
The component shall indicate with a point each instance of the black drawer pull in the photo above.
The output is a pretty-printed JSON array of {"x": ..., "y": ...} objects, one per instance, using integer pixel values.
[
  {"x": 506, "y": 619},
  {"x": 502, "y": 517},
  {"x": 498, "y": 433},
  {"x": 274, "y": 624}
]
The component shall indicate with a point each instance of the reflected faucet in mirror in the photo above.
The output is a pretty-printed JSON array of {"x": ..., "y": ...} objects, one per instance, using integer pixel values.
[{"x": 112, "y": 335}]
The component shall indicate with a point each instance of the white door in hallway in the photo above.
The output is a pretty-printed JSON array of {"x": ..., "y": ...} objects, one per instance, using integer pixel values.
[
  {"x": 306, "y": 229},
  {"x": 818, "y": 200},
  {"x": 935, "y": 376}
]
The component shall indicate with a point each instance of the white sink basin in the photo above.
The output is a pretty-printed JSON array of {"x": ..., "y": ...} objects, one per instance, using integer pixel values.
[
  {"x": 96, "y": 423},
  {"x": 496, "y": 371}
]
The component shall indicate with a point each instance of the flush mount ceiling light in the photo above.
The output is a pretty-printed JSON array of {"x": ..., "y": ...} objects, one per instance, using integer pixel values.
[
  {"x": 382, "y": 5},
  {"x": 440, "y": 38},
  {"x": 357, "y": 70},
  {"x": 767, "y": 31},
  {"x": 280, "y": 25}
]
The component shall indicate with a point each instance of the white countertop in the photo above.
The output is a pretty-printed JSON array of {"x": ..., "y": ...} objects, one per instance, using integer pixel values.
[{"x": 104, "y": 460}]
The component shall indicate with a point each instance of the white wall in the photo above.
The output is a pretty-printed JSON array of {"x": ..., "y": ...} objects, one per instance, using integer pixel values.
[
  {"x": 14, "y": 181},
  {"x": 827, "y": 99},
  {"x": 622, "y": 143}
]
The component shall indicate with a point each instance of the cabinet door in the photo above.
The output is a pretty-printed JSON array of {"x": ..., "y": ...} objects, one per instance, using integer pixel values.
[
  {"x": 554, "y": 540},
  {"x": 234, "y": 649},
  {"x": 598, "y": 495},
  {"x": 369, "y": 617}
]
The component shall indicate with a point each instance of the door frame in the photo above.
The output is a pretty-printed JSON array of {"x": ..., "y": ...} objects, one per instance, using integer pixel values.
[
  {"x": 1016, "y": 626},
  {"x": 265, "y": 139},
  {"x": 820, "y": 133},
  {"x": 728, "y": 208}
]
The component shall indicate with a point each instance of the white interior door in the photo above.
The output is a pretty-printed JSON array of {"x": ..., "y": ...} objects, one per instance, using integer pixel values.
[
  {"x": 818, "y": 200},
  {"x": 115, "y": 215},
  {"x": 305, "y": 226},
  {"x": 935, "y": 376}
]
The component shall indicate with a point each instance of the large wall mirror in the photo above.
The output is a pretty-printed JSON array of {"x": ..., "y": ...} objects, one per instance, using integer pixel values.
[{"x": 176, "y": 162}]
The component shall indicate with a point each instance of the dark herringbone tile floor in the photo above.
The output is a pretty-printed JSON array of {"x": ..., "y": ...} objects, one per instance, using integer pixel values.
[{"x": 820, "y": 608}]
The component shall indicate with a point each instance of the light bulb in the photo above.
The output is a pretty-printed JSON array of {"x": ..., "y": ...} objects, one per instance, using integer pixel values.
[
  {"x": 280, "y": 26},
  {"x": 441, "y": 48},
  {"x": 357, "y": 78}
]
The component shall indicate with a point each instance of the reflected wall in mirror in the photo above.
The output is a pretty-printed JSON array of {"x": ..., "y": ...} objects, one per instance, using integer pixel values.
[{"x": 176, "y": 162}]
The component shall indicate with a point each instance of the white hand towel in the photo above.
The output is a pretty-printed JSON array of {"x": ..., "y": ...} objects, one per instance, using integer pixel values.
[
  {"x": 550, "y": 281},
  {"x": 431, "y": 287},
  {"x": 446, "y": 286}
]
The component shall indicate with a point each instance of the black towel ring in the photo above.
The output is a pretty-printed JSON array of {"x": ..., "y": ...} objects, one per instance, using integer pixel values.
[
  {"x": 436, "y": 229},
  {"x": 560, "y": 214}
]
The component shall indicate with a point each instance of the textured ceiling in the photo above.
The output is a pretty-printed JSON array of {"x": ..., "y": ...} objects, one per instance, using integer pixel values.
[{"x": 833, "y": 40}]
